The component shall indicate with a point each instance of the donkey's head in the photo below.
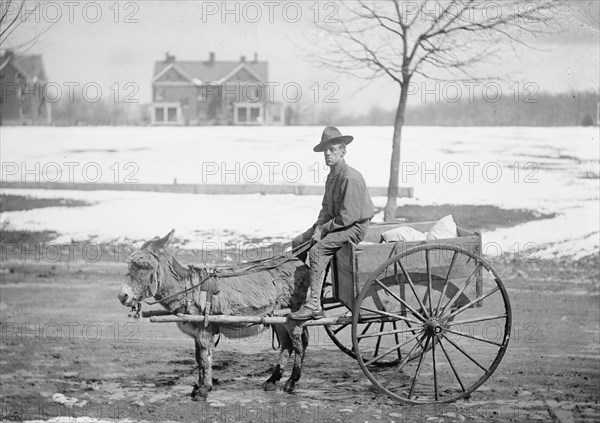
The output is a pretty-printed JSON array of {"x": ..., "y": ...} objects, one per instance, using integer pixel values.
[{"x": 142, "y": 278}]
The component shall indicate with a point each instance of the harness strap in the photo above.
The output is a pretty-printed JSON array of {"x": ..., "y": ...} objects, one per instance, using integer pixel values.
[
  {"x": 260, "y": 267},
  {"x": 185, "y": 291},
  {"x": 212, "y": 289},
  {"x": 215, "y": 274}
]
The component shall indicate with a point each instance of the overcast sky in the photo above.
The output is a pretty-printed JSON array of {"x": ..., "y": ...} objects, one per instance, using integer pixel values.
[{"x": 107, "y": 42}]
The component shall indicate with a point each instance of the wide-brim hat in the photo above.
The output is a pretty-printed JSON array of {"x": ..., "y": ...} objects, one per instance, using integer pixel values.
[{"x": 332, "y": 135}]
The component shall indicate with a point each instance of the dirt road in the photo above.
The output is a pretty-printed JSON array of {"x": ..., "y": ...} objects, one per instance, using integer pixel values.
[{"x": 69, "y": 349}]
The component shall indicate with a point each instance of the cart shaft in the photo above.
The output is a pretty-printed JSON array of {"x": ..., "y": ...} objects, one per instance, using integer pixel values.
[{"x": 274, "y": 320}]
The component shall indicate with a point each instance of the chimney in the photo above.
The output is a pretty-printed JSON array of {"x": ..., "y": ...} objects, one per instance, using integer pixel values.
[
  {"x": 169, "y": 58},
  {"x": 211, "y": 57},
  {"x": 243, "y": 59},
  {"x": 255, "y": 57}
]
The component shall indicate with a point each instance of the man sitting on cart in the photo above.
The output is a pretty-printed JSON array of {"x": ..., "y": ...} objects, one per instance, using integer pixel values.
[{"x": 346, "y": 212}]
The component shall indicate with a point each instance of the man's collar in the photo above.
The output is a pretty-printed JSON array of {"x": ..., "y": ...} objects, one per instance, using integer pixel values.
[{"x": 335, "y": 169}]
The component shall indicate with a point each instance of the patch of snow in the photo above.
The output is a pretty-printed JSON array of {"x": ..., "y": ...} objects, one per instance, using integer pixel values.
[{"x": 550, "y": 170}]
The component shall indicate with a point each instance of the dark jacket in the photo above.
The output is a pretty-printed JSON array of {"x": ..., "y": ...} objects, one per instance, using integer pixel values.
[{"x": 346, "y": 200}]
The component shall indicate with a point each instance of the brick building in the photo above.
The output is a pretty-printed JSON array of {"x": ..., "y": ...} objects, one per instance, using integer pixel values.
[
  {"x": 212, "y": 92},
  {"x": 23, "y": 90}
]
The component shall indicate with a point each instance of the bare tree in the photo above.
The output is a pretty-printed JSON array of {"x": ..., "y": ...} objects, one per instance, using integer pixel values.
[
  {"x": 440, "y": 40},
  {"x": 20, "y": 28}
]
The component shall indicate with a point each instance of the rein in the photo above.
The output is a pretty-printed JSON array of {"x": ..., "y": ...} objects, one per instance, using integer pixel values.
[{"x": 254, "y": 268}]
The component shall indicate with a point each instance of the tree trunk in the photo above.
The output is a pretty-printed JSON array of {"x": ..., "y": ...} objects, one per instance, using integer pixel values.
[{"x": 390, "y": 207}]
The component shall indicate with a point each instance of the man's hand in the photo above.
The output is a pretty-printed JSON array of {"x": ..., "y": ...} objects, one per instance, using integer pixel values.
[{"x": 318, "y": 234}]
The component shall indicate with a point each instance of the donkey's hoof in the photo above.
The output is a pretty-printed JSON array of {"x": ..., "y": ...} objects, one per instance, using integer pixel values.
[
  {"x": 268, "y": 386},
  {"x": 290, "y": 387},
  {"x": 199, "y": 393}
]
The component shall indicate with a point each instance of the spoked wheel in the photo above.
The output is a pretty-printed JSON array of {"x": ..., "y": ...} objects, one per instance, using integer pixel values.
[
  {"x": 370, "y": 330},
  {"x": 450, "y": 309}
]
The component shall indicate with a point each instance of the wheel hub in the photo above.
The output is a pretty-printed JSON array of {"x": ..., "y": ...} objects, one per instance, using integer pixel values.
[{"x": 433, "y": 327}]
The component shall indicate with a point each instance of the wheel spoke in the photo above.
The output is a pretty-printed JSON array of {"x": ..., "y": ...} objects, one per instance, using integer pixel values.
[
  {"x": 452, "y": 366},
  {"x": 414, "y": 382},
  {"x": 390, "y": 332},
  {"x": 386, "y": 352},
  {"x": 413, "y": 311},
  {"x": 396, "y": 339},
  {"x": 335, "y": 331},
  {"x": 466, "y": 354},
  {"x": 471, "y": 303},
  {"x": 435, "y": 384},
  {"x": 385, "y": 313},
  {"x": 378, "y": 343},
  {"x": 401, "y": 287},
  {"x": 459, "y": 293},
  {"x": 474, "y": 337},
  {"x": 401, "y": 365},
  {"x": 429, "y": 283},
  {"x": 412, "y": 287},
  {"x": 446, "y": 281},
  {"x": 476, "y": 319}
]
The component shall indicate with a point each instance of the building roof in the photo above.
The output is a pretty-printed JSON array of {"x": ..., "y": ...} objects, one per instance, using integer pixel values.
[
  {"x": 31, "y": 66},
  {"x": 213, "y": 71}
]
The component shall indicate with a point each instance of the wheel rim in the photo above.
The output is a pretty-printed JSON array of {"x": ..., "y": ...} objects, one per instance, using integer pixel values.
[
  {"x": 459, "y": 315},
  {"x": 340, "y": 335}
]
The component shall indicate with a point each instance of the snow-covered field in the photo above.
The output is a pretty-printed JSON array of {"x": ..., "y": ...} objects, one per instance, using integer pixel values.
[{"x": 546, "y": 169}]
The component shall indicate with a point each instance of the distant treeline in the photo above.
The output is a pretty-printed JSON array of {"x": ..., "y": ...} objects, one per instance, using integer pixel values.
[
  {"x": 77, "y": 112},
  {"x": 566, "y": 109}
]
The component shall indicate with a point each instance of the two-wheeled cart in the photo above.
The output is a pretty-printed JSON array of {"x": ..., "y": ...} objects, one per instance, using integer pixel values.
[{"x": 427, "y": 321}]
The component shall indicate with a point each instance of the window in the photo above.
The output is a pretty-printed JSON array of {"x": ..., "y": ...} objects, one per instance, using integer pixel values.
[
  {"x": 167, "y": 114},
  {"x": 248, "y": 114},
  {"x": 241, "y": 114},
  {"x": 172, "y": 114},
  {"x": 159, "y": 114}
]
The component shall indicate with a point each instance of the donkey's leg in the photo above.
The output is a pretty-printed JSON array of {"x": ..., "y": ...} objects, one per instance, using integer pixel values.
[
  {"x": 196, "y": 389},
  {"x": 204, "y": 349},
  {"x": 300, "y": 340},
  {"x": 284, "y": 353}
]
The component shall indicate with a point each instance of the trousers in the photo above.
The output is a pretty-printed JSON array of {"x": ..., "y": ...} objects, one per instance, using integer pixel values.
[{"x": 321, "y": 253}]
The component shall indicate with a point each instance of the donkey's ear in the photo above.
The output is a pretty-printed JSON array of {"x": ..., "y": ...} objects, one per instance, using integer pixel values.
[
  {"x": 149, "y": 243},
  {"x": 164, "y": 241}
]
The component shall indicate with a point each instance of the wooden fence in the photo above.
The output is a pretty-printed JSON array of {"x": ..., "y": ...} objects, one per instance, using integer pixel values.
[{"x": 212, "y": 189}]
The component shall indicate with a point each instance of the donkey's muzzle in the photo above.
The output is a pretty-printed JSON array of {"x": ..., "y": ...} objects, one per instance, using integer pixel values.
[{"x": 124, "y": 298}]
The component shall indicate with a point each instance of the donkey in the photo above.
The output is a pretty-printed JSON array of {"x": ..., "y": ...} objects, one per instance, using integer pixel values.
[{"x": 154, "y": 272}]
